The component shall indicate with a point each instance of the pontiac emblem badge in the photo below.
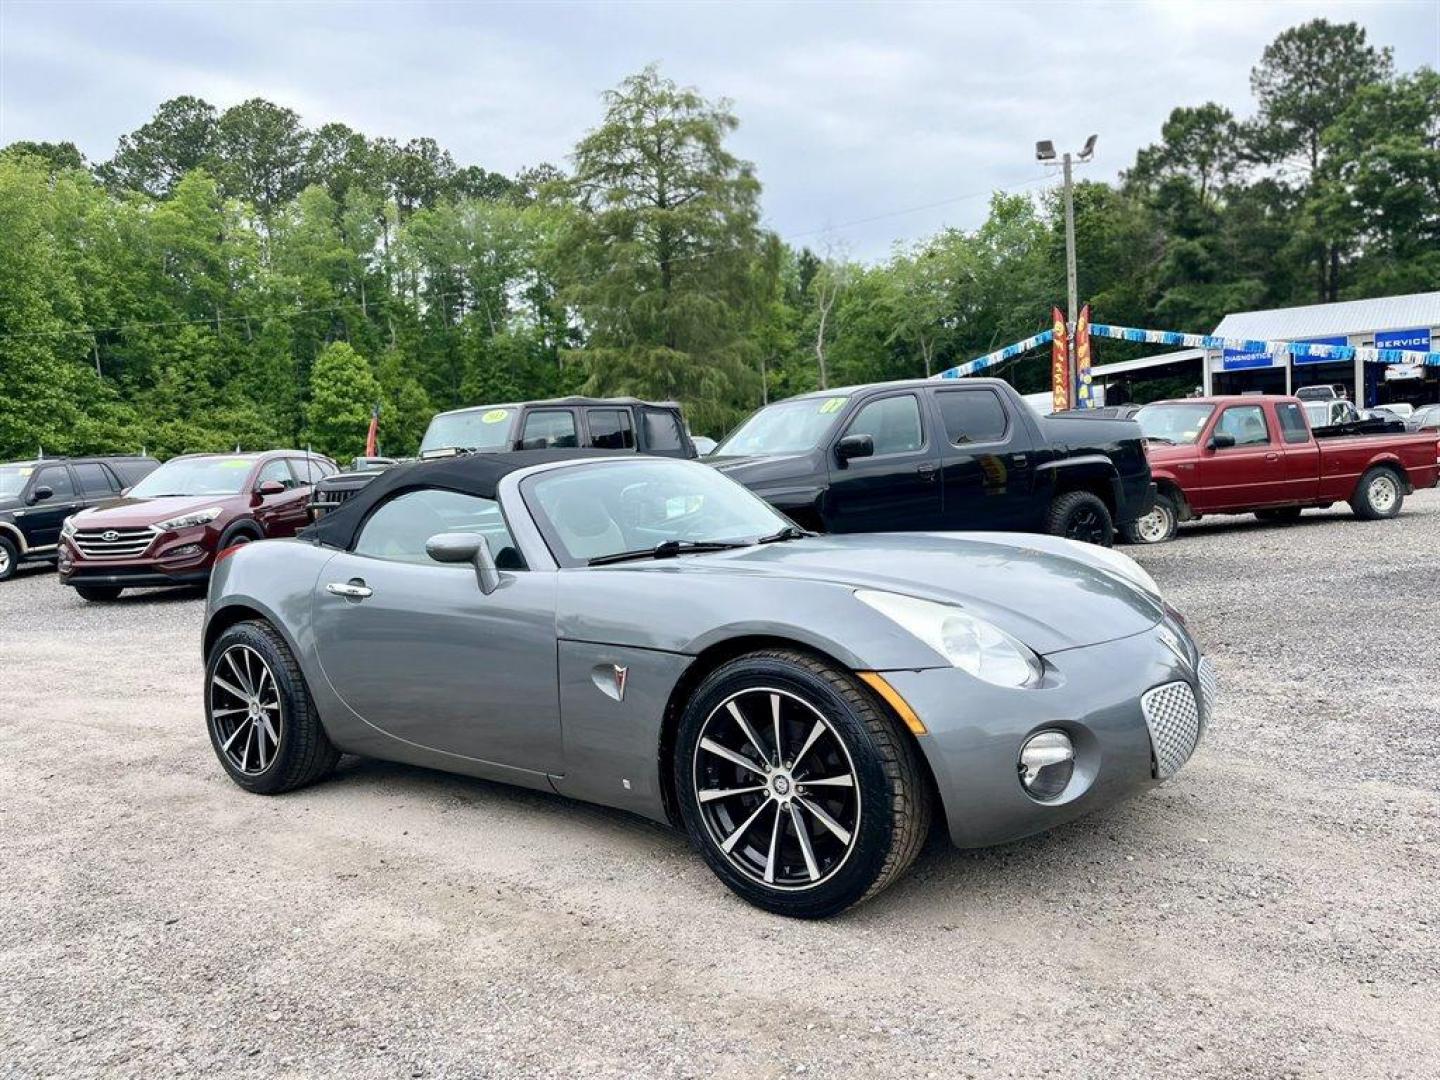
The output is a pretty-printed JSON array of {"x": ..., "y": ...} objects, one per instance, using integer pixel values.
[{"x": 621, "y": 674}]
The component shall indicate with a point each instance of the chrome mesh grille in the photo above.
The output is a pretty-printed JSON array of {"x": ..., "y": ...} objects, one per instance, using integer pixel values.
[
  {"x": 114, "y": 543},
  {"x": 1209, "y": 692},
  {"x": 1173, "y": 717}
]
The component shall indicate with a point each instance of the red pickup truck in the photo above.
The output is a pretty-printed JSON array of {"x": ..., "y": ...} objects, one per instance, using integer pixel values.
[{"x": 1233, "y": 455}]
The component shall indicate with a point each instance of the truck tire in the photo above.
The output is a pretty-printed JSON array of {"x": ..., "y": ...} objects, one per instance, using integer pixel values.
[
  {"x": 9, "y": 558},
  {"x": 1280, "y": 515},
  {"x": 1081, "y": 515},
  {"x": 1157, "y": 526},
  {"x": 1379, "y": 494}
]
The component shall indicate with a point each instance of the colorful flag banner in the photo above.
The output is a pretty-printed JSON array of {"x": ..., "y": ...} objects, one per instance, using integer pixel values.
[
  {"x": 372, "y": 437},
  {"x": 1083, "y": 399},
  {"x": 1059, "y": 363},
  {"x": 1009, "y": 352}
]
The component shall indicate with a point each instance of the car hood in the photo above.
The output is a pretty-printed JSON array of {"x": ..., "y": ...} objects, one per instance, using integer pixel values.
[
  {"x": 752, "y": 469},
  {"x": 1050, "y": 593},
  {"x": 1160, "y": 454},
  {"x": 132, "y": 513}
]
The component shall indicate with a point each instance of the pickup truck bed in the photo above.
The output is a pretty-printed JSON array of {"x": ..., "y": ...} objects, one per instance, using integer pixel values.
[{"x": 1232, "y": 455}]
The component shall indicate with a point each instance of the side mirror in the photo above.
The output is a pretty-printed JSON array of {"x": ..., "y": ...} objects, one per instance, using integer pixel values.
[
  {"x": 1221, "y": 440},
  {"x": 41, "y": 493},
  {"x": 466, "y": 548},
  {"x": 270, "y": 487},
  {"x": 854, "y": 446}
]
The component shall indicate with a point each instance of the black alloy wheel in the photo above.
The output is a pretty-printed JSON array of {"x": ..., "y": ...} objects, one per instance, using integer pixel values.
[
  {"x": 1083, "y": 516},
  {"x": 797, "y": 785}
]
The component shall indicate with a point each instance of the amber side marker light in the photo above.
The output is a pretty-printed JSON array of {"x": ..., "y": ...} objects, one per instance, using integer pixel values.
[
  {"x": 876, "y": 682},
  {"x": 227, "y": 552}
]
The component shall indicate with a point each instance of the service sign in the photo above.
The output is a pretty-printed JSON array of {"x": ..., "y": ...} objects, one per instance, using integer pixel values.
[
  {"x": 1417, "y": 340},
  {"x": 1240, "y": 360},
  {"x": 1341, "y": 340}
]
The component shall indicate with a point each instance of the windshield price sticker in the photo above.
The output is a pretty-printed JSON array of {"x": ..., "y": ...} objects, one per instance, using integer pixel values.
[
  {"x": 494, "y": 416},
  {"x": 831, "y": 405},
  {"x": 234, "y": 463}
]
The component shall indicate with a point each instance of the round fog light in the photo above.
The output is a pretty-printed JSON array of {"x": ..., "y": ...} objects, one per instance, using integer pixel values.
[{"x": 1046, "y": 762}]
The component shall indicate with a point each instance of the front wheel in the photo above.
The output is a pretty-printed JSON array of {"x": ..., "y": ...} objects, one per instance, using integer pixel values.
[
  {"x": 1378, "y": 495},
  {"x": 1157, "y": 526},
  {"x": 802, "y": 794},
  {"x": 1082, "y": 515},
  {"x": 9, "y": 557},
  {"x": 262, "y": 720}
]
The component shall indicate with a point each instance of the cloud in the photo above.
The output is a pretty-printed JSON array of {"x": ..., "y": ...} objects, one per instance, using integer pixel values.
[{"x": 850, "y": 111}]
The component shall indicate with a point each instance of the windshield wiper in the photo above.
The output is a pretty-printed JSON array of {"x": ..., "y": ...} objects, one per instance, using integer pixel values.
[
  {"x": 668, "y": 549},
  {"x": 788, "y": 532}
]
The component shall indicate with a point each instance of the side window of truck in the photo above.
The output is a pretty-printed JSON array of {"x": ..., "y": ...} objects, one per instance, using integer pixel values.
[
  {"x": 972, "y": 416},
  {"x": 95, "y": 481},
  {"x": 610, "y": 429},
  {"x": 1246, "y": 423},
  {"x": 57, "y": 478},
  {"x": 893, "y": 423},
  {"x": 549, "y": 429},
  {"x": 1292, "y": 423},
  {"x": 662, "y": 431}
]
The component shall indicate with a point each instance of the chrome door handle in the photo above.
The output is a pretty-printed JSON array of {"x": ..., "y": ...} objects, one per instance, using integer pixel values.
[{"x": 349, "y": 591}]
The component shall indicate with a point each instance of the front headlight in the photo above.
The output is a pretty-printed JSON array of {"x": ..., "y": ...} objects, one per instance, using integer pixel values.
[
  {"x": 187, "y": 521},
  {"x": 1118, "y": 562},
  {"x": 969, "y": 643}
]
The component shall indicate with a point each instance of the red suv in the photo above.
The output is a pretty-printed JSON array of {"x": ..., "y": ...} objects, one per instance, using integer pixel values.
[{"x": 169, "y": 527}]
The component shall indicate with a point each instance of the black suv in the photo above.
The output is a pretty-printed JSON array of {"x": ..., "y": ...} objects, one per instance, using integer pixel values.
[
  {"x": 646, "y": 427},
  {"x": 940, "y": 454},
  {"x": 37, "y": 496}
]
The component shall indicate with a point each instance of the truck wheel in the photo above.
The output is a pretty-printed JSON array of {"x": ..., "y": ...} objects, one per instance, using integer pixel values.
[
  {"x": 801, "y": 793},
  {"x": 1378, "y": 495},
  {"x": 98, "y": 594},
  {"x": 1280, "y": 515},
  {"x": 9, "y": 557},
  {"x": 1155, "y": 527},
  {"x": 1079, "y": 515}
]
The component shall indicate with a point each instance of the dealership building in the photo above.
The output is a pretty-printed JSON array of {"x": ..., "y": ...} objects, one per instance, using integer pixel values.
[{"x": 1392, "y": 322}]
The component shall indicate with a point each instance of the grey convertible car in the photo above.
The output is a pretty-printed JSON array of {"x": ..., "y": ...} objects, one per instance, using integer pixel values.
[{"x": 647, "y": 634}]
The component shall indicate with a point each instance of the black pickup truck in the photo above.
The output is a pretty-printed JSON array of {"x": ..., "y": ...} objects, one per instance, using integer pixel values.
[
  {"x": 940, "y": 454},
  {"x": 646, "y": 427}
]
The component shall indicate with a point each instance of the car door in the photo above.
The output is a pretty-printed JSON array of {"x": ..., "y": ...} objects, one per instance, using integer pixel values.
[
  {"x": 1301, "y": 454},
  {"x": 40, "y": 519},
  {"x": 609, "y": 429},
  {"x": 986, "y": 471},
  {"x": 282, "y": 513},
  {"x": 417, "y": 650},
  {"x": 896, "y": 488},
  {"x": 1249, "y": 473},
  {"x": 549, "y": 429}
]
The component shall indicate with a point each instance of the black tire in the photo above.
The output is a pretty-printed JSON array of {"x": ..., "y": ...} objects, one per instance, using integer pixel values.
[
  {"x": 1081, "y": 515},
  {"x": 9, "y": 558},
  {"x": 887, "y": 787},
  {"x": 99, "y": 594},
  {"x": 1379, "y": 494},
  {"x": 300, "y": 752},
  {"x": 1280, "y": 515},
  {"x": 1156, "y": 527}
]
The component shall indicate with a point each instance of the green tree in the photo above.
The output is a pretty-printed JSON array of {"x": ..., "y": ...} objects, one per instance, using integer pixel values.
[
  {"x": 261, "y": 149},
  {"x": 343, "y": 391},
  {"x": 57, "y": 156},
  {"x": 661, "y": 249},
  {"x": 180, "y": 136}
]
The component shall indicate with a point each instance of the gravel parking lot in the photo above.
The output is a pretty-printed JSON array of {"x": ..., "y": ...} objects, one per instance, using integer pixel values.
[{"x": 1274, "y": 911}]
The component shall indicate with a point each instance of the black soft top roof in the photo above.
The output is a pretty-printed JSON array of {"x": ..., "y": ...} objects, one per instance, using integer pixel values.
[{"x": 468, "y": 474}]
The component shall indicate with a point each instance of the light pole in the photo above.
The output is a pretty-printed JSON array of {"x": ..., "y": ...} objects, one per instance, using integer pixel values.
[{"x": 1045, "y": 152}]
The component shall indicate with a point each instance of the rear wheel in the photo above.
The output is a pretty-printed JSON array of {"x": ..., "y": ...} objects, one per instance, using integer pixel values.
[
  {"x": 803, "y": 796},
  {"x": 1157, "y": 526},
  {"x": 262, "y": 720},
  {"x": 1281, "y": 515},
  {"x": 99, "y": 594},
  {"x": 1082, "y": 515},
  {"x": 9, "y": 557},
  {"x": 1378, "y": 495}
]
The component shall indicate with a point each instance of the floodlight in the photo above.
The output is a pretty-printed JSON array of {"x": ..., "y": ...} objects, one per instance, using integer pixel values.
[{"x": 1044, "y": 150}]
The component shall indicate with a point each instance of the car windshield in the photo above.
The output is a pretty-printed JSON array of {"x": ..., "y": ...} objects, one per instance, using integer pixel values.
[
  {"x": 13, "y": 479},
  {"x": 195, "y": 476},
  {"x": 1178, "y": 423},
  {"x": 482, "y": 428},
  {"x": 787, "y": 427},
  {"x": 609, "y": 508}
]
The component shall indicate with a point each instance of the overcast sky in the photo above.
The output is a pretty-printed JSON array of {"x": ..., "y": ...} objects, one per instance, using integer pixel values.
[{"x": 868, "y": 124}]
